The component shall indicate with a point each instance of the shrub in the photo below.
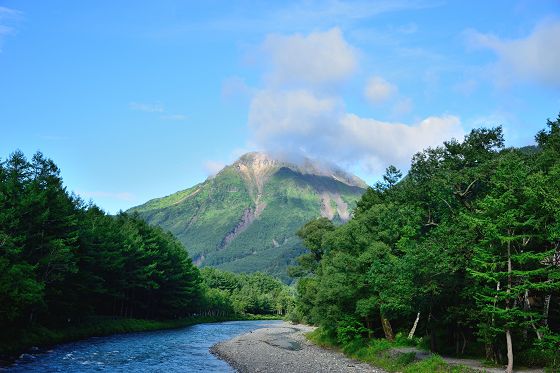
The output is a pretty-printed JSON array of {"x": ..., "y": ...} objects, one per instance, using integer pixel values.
[{"x": 349, "y": 330}]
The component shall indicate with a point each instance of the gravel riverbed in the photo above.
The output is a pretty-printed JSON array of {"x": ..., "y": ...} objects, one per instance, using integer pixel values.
[{"x": 283, "y": 348}]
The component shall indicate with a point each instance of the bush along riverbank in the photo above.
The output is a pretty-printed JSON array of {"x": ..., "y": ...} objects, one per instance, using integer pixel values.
[
  {"x": 40, "y": 337},
  {"x": 398, "y": 356}
]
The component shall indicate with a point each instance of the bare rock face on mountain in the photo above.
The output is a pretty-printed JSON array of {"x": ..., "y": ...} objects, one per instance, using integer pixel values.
[{"x": 244, "y": 218}]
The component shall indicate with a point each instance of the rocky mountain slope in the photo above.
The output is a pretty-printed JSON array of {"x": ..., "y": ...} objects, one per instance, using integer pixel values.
[{"x": 244, "y": 218}]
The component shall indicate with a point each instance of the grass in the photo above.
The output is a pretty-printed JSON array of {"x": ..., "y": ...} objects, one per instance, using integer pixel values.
[
  {"x": 376, "y": 353},
  {"x": 40, "y": 336}
]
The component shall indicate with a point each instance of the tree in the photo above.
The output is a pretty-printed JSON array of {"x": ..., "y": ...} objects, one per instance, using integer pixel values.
[{"x": 506, "y": 266}]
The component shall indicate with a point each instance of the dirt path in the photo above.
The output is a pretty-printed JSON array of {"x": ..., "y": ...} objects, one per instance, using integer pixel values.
[{"x": 471, "y": 363}]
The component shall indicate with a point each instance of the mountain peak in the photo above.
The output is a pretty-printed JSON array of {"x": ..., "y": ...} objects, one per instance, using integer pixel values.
[
  {"x": 257, "y": 161},
  {"x": 261, "y": 163}
]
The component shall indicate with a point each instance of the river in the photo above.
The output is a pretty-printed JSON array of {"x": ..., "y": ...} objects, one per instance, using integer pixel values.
[{"x": 177, "y": 350}]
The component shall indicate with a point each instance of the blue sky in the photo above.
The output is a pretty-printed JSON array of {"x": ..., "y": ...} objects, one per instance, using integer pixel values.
[{"x": 138, "y": 99}]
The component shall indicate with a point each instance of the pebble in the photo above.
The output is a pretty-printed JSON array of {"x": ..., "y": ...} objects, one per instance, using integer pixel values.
[{"x": 283, "y": 348}]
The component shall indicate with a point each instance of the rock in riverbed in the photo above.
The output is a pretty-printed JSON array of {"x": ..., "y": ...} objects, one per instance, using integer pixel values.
[{"x": 283, "y": 348}]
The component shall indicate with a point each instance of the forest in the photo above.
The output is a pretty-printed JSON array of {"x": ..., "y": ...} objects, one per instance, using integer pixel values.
[
  {"x": 462, "y": 256},
  {"x": 65, "y": 263}
]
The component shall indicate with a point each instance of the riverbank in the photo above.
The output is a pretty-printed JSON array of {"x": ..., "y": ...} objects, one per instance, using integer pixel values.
[
  {"x": 298, "y": 348},
  {"x": 284, "y": 348},
  {"x": 407, "y": 358},
  {"x": 41, "y": 337}
]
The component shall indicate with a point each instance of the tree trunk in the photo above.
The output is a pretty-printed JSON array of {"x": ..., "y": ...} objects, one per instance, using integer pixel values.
[
  {"x": 464, "y": 343},
  {"x": 509, "y": 368},
  {"x": 546, "y": 307},
  {"x": 369, "y": 327},
  {"x": 413, "y": 330},
  {"x": 508, "y": 332},
  {"x": 489, "y": 350},
  {"x": 525, "y": 308},
  {"x": 433, "y": 342},
  {"x": 387, "y": 328}
]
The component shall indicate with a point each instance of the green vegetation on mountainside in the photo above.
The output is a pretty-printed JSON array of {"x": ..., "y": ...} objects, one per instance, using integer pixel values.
[
  {"x": 244, "y": 219},
  {"x": 201, "y": 216}
]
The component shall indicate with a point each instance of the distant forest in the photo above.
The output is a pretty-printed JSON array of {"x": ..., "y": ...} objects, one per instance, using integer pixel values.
[
  {"x": 64, "y": 262},
  {"x": 463, "y": 253}
]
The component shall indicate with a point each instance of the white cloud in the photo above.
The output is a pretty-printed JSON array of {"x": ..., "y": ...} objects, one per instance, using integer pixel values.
[
  {"x": 294, "y": 114},
  {"x": 378, "y": 142},
  {"x": 275, "y": 114},
  {"x": 535, "y": 57},
  {"x": 317, "y": 58},
  {"x": 147, "y": 107},
  {"x": 378, "y": 90},
  {"x": 300, "y": 122}
]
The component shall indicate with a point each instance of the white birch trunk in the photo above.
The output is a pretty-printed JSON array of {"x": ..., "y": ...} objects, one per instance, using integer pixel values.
[
  {"x": 413, "y": 330},
  {"x": 509, "y": 368},
  {"x": 509, "y": 343}
]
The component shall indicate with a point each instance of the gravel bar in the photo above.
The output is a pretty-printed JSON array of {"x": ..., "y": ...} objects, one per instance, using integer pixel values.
[{"x": 283, "y": 348}]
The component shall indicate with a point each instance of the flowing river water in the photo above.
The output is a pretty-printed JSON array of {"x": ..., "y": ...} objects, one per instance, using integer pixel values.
[{"x": 178, "y": 350}]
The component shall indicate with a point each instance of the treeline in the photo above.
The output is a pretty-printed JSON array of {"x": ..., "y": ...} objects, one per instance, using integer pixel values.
[
  {"x": 239, "y": 293},
  {"x": 64, "y": 262},
  {"x": 464, "y": 252}
]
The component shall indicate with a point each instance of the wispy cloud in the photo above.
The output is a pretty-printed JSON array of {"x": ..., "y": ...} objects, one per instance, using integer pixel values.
[
  {"x": 8, "y": 17},
  {"x": 213, "y": 167},
  {"x": 235, "y": 87},
  {"x": 156, "y": 108},
  {"x": 146, "y": 107},
  {"x": 298, "y": 16},
  {"x": 174, "y": 117}
]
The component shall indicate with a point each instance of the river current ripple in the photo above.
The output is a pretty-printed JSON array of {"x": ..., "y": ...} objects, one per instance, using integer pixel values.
[{"x": 167, "y": 351}]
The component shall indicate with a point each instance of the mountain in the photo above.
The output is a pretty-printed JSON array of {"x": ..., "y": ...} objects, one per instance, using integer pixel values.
[{"x": 244, "y": 218}]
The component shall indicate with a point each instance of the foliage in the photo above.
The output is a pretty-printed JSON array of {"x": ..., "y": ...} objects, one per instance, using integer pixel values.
[
  {"x": 255, "y": 293},
  {"x": 467, "y": 243},
  {"x": 349, "y": 330}
]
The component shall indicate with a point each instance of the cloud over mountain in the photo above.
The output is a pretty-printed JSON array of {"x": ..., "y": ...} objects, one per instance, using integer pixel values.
[{"x": 299, "y": 108}]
